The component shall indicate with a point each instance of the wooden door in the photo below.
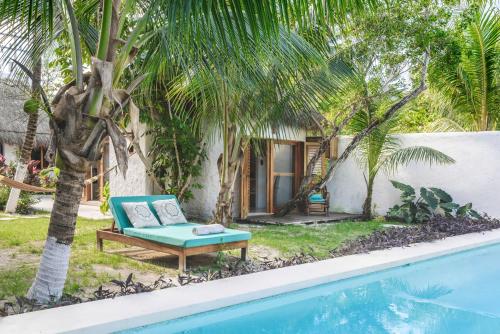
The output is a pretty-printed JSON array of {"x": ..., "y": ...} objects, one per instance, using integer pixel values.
[{"x": 245, "y": 185}]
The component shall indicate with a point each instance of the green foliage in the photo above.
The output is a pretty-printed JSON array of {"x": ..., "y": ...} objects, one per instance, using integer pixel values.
[
  {"x": 24, "y": 204},
  {"x": 106, "y": 193},
  {"x": 177, "y": 155},
  {"x": 316, "y": 240},
  {"x": 31, "y": 106},
  {"x": 26, "y": 199},
  {"x": 467, "y": 72},
  {"x": 48, "y": 177},
  {"x": 381, "y": 150},
  {"x": 432, "y": 201}
]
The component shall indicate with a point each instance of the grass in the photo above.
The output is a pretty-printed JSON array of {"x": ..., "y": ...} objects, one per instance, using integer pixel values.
[
  {"x": 22, "y": 239},
  {"x": 317, "y": 240}
]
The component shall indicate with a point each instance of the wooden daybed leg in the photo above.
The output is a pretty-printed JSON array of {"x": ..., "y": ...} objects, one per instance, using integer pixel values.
[
  {"x": 100, "y": 243},
  {"x": 244, "y": 254},
  {"x": 182, "y": 262}
]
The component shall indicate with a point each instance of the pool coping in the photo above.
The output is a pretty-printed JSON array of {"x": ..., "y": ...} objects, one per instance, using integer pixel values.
[{"x": 131, "y": 311}]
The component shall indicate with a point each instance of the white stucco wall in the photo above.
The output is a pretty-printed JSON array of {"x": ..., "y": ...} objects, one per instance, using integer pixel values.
[
  {"x": 475, "y": 177},
  {"x": 203, "y": 203},
  {"x": 10, "y": 152},
  {"x": 136, "y": 182}
]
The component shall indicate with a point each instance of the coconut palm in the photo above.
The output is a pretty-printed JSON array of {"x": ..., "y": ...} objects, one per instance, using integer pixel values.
[
  {"x": 473, "y": 86},
  {"x": 271, "y": 89},
  {"x": 30, "y": 107},
  {"x": 381, "y": 150},
  {"x": 85, "y": 110}
]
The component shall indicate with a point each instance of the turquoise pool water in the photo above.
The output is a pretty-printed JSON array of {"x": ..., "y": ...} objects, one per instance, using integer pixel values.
[{"x": 452, "y": 294}]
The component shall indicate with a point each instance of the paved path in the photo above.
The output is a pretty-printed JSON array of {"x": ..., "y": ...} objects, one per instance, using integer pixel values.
[
  {"x": 299, "y": 219},
  {"x": 85, "y": 210}
]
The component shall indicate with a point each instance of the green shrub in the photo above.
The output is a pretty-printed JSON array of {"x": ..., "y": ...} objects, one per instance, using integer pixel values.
[
  {"x": 106, "y": 193},
  {"x": 24, "y": 204},
  {"x": 48, "y": 177},
  {"x": 432, "y": 202}
]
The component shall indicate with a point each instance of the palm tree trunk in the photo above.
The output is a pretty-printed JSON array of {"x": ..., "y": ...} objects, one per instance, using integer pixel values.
[
  {"x": 29, "y": 140},
  {"x": 228, "y": 170},
  {"x": 367, "y": 205},
  {"x": 53, "y": 269}
]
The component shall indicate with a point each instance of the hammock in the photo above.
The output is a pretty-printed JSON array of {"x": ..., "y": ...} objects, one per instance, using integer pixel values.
[
  {"x": 34, "y": 189},
  {"x": 23, "y": 186}
]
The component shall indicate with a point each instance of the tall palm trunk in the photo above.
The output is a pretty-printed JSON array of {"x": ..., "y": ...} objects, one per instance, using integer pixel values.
[
  {"x": 29, "y": 140},
  {"x": 228, "y": 170},
  {"x": 367, "y": 205},
  {"x": 49, "y": 281}
]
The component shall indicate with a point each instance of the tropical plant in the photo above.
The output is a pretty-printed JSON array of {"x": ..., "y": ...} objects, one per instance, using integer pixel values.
[
  {"x": 106, "y": 193},
  {"x": 432, "y": 202},
  {"x": 48, "y": 177},
  {"x": 31, "y": 107},
  {"x": 25, "y": 202},
  {"x": 85, "y": 110},
  {"x": 381, "y": 150},
  {"x": 472, "y": 84},
  {"x": 177, "y": 155},
  {"x": 381, "y": 48},
  {"x": 274, "y": 87}
]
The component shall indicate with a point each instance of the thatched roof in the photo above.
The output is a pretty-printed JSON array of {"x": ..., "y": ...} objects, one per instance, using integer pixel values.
[
  {"x": 13, "y": 120},
  {"x": 310, "y": 120}
]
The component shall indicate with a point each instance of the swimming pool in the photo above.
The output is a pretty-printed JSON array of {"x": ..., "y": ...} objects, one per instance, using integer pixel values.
[{"x": 458, "y": 293}]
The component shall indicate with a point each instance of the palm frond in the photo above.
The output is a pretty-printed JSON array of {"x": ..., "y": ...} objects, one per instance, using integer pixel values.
[
  {"x": 444, "y": 124},
  {"x": 473, "y": 87},
  {"x": 407, "y": 155}
]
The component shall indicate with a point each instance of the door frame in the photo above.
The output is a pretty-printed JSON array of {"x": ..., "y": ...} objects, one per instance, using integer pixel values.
[{"x": 270, "y": 174}]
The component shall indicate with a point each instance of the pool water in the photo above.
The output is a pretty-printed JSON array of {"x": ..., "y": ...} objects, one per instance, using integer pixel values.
[{"x": 453, "y": 294}]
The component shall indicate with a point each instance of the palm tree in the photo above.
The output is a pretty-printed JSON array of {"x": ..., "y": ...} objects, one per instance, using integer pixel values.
[
  {"x": 85, "y": 110},
  {"x": 473, "y": 85},
  {"x": 239, "y": 101},
  {"x": 31, "y": 107},
  {"x": 381, "y": 150}
]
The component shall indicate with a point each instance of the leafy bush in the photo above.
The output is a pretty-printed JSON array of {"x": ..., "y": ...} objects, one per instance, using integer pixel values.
[
  {"x": 24, "y": 204},
  {"x": 7, "y": 169},
  {"x": 48, "y": 177},
  {"x": 177, "y": 156},
  {"x": 26, "y": 200},
  {"x": 106, "y": 193},
  {"x": 432, "y": 202}
]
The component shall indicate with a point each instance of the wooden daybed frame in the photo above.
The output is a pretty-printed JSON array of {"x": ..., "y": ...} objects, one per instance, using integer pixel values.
[{"x": 113, "y": 234}]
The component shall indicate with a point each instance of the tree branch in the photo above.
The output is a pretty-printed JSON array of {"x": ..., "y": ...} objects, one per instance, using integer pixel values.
[{"x": 306, "y": 189}]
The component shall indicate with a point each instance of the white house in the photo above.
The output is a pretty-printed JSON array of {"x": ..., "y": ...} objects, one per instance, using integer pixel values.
[{"x": 271, "y": 177}]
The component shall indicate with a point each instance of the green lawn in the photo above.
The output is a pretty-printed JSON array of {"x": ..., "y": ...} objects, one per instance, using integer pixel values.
[
  {"x": 317, "y": 240},
  {"x": 21, "y": 243}
]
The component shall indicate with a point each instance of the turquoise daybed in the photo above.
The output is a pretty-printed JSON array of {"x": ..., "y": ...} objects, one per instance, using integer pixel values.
[{"x": 176, "y": 239}]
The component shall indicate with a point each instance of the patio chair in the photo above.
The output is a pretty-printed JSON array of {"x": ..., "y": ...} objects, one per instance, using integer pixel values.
[
  {"x": 176, "y": 239},
  {"x": 318, "y": 202}
]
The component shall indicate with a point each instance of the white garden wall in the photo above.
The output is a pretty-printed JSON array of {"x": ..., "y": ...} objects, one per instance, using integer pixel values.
[
  {"x": 475, "y": 177},
  {"x": 136, "y": 181},
  {"x": 10, "y": 152}
]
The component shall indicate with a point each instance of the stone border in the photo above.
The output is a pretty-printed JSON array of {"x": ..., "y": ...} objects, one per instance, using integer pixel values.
[{"x": 131, "y": 311}]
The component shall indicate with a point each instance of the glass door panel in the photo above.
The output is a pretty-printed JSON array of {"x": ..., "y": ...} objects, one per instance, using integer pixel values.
[{"x": 283, "y": 174}]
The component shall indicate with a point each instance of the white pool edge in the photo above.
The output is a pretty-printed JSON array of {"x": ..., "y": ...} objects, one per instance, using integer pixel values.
[{"x": 131, "y": 311}]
